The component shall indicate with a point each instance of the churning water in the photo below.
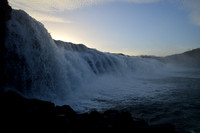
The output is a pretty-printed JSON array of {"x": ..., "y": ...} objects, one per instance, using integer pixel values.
[{"x": 166, "y": 99}]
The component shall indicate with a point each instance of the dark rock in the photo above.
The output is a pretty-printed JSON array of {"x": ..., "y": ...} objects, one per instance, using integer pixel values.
[
  {"x": 66, "y": 111},
  {"x": 164, "y": 128},
  {"x": 20, "y": 112},
  {"x": 5, "y": 13}
]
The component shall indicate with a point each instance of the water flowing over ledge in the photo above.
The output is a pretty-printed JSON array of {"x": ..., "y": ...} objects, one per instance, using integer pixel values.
[{"x": 43, "y": 68}]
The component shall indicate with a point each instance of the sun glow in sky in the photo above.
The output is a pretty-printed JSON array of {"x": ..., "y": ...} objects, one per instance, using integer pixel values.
[{"x": 134, "y": 27}]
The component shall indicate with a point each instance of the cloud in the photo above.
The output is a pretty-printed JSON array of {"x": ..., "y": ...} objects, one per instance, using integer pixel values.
[
  {"x": 44, "y": 10},
  {"x": 194, "y": 8},
  {"x": 48, "y": 18},
  {"x": 53, "y": 5},
  {"x": 140, "y": 1},
  {"x": 40, "y": 10},
  {"x": 60, "y": 5}
]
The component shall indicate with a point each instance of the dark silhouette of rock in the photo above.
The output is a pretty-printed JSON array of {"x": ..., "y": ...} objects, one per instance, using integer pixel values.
[
  {"x": 21, "y": 113},
  {"x": 5, "y": 14}
]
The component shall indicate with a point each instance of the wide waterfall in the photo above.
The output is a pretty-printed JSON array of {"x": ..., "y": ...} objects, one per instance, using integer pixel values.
[
  {"x": 41, "y": 67},
  {"x": 156, "y": 89}
]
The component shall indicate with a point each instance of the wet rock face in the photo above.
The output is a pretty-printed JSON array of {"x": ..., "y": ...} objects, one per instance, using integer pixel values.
[
  {"x": 5, "y": 14},
  {"x": 20, "y": 114}
]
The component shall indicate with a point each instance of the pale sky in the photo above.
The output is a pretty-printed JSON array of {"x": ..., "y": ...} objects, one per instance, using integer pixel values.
[{"x": 133, "y": 27}]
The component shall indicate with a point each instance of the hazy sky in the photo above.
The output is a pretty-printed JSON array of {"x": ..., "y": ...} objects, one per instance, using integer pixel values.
[{"x": 134, "y": 27}]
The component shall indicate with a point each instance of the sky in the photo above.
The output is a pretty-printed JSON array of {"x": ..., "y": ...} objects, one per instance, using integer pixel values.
[{"x": 133, "y": 27}]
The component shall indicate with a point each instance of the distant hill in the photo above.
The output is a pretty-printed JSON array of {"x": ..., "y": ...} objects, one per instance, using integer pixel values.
[
  {"x": 189, "y": 58},
  {"x": 194, "y": 53}
]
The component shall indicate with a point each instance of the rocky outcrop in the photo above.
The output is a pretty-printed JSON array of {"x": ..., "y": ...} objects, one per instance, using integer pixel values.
[
  {"x": 20, "y": 114},
  {"x": 5, "y": 14}
]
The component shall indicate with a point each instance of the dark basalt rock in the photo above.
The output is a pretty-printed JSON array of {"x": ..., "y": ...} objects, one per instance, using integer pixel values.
[{"x": 20, "y": 113}]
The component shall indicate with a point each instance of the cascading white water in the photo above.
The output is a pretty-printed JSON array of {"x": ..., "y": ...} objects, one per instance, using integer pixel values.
[
  {"x": 44, "y": 67},
  {"x": 51, "y": 70}
]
